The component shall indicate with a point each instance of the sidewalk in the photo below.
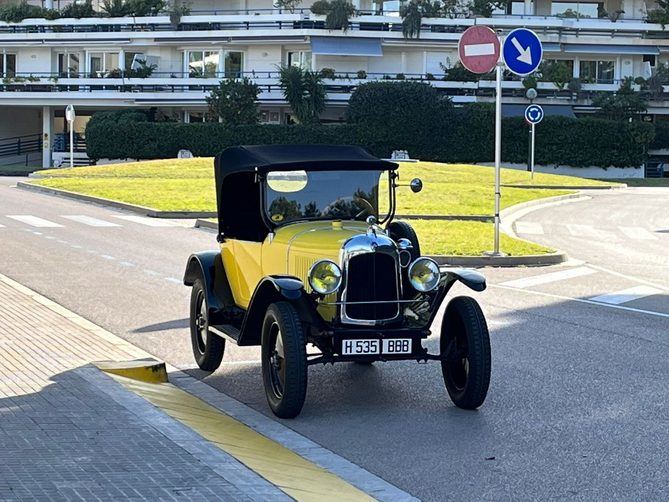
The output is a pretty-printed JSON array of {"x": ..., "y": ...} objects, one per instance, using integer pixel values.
[{"x": 70, "y": 432}]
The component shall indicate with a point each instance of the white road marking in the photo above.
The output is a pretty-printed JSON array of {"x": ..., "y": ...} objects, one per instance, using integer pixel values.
[
  {"x": 536, "y": 280},
  {"x": 34, "y": 221},
  {"x": 88, "y": 220},
  {"x": 626, "y": 295},
  {"x": 151, "y": 272},
  {"x": 630, "y": 277},
  {"x": 581, "y": 300},
  {"x": 591, "y": 232},
  {"x": 144, "y": 220},
  {"x": 2, "y": 226},
  {"x": 638, "y": 233},
  {"x": 75, "y": 246},
  {"x": 528, "y": 227},
  {"x": 127, "y": 264},
  {"x": 174, "y": 280},
  {"x": 107, "y": 257},
  {"x": 479, "y": 50}
]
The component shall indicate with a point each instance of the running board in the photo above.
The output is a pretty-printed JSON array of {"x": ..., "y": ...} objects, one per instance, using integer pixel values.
[{"x": 226, "y": 331}]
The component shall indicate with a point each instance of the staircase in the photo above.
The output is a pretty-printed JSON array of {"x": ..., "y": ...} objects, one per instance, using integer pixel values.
[{"x": 654, "y": 168}]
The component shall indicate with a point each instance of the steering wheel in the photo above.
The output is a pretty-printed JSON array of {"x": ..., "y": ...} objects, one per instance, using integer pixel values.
[{"x": 356, "y": 200}]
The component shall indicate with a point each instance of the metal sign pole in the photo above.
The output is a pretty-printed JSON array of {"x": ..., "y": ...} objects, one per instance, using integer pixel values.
[
  {"x": 532, "y": 156},
  {"x": 498, "y": 152},
  {"x": 71, "y": 123}
]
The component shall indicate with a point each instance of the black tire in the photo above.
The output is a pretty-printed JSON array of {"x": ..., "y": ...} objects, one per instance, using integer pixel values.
[
  {"x": 284, "y": 376},
  {"x": 464, "y": 336},
  {"x": 402, "y": 230},
  {"x": 208, "y": 348}
]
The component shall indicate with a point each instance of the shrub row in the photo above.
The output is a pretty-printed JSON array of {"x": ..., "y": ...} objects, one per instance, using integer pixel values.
[{"x": 459, "y": 135}]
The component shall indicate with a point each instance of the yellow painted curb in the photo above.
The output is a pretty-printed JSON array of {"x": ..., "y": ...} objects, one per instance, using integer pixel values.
[
  {"x": 296, "y": 476},
  {"x": 144, "y": 370}
]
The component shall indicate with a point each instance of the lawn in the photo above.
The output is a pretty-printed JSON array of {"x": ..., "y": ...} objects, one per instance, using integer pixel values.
[{"x": 449, "y": 189}]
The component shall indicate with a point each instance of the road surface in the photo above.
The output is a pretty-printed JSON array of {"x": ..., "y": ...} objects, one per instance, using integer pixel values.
[{"x": 579, "y": 399}]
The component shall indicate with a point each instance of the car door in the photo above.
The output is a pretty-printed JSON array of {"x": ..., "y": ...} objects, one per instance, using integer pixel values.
[{"x": 247, "y": 269}]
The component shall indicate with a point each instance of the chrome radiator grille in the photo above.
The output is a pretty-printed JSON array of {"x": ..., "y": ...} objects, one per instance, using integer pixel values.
[{"x": 371, "y": 277}]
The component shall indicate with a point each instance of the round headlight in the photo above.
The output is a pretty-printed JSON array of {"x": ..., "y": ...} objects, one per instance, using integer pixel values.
[
  {"x": 325, "y": 277},
  {"x": 424, "y": 274}
]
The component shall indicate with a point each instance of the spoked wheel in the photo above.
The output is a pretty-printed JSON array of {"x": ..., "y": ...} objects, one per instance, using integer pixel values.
[
  {"x": 208, "y": 348},
  {"x": 284, "y": 360},
  {"x": 466, "y": 344}
]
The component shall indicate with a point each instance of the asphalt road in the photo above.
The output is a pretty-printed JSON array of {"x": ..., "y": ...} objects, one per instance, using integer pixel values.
[{"x": 579, "y": 400}]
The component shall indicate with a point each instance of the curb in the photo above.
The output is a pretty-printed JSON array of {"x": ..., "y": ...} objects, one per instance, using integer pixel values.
[
  {"x": 145, "y": 211},
  {"x": 502, "y": 261},
  {"x": 622, "y": 186},
  {"x": 466, "y": 261},
  {"x": 143, "y": 370}
]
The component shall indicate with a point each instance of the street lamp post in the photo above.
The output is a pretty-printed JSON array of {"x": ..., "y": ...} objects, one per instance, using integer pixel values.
[{"x": 70, "y": 115}]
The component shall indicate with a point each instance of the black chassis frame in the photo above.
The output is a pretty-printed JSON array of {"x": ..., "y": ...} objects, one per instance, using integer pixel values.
[{"x": 244, "y": 326}]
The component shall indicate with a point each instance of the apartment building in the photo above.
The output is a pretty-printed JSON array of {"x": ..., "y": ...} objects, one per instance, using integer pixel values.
[{"x": 100, "y": 63}]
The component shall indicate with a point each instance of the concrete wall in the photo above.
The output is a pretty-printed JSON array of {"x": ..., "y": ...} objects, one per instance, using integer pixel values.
[{"x": 19, "y": 121}]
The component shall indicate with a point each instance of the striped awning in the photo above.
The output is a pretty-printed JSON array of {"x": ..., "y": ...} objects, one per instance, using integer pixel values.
[{"x": 345, "y": 46}]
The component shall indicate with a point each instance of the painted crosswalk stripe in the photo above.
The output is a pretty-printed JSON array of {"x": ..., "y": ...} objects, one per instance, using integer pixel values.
[
  {"x": 143, "y": 220},
  {"x": 528, "y": 227},
  {"x": 638, "y": 233},
  {"x": 90, "y": 221},
  {"x": 536, "y": 280},
  {"x": 591, "y": 232},
  {"x": 626, "y": 295},
  {"x": 34, "y": 221}
]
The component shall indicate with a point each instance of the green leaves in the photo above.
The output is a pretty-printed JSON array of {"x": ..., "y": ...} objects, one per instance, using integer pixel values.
[
  {"x": 304, "y": 91},
  {"x": 337, "y": 13},
  {"x": 235, "y": 102}
]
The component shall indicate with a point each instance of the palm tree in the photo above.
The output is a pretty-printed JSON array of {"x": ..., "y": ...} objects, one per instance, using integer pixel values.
[{"x": 304, "y": 91}]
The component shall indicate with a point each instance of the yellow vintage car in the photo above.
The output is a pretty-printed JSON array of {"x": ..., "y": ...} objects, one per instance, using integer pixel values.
[{"x": 310, "y": 255}]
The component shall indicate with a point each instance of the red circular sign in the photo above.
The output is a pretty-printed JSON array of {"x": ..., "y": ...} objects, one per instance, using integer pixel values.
[{"x": 479, "y": 49}]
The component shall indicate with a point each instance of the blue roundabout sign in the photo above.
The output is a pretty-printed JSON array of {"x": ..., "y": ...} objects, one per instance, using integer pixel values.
[{"x": 534, "y": 114}]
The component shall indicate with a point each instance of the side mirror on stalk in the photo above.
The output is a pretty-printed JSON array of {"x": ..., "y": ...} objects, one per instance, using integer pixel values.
[{"x": 416, "y": 185}]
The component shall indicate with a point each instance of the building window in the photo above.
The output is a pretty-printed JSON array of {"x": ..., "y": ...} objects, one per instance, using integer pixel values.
[
  {"x": 269, "y": 117},
  {"x": 68, "y": 64},
  {"x": 300, "y": 58},
  {"x": 596, "y": 72},
  {"x": 101, "y": 63},
  {"x": 200, "y": 117},
  {"x": 234, "y": 64},
  {"x": 577, "y": 9},
  {"x": 131, "y": 58},
  {"x": 7, "y": 65},
  {"x": 202, "y": 64}
]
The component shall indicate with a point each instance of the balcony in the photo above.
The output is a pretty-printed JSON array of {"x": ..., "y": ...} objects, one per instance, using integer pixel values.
[
  {"x": 172, "y": 89},
  {"x": 221, "y": 24}
]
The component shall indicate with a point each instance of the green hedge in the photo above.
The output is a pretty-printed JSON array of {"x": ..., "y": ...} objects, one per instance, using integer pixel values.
[
  {"x": 461, "y": 135},
  {"x": 661, "y": 135}
]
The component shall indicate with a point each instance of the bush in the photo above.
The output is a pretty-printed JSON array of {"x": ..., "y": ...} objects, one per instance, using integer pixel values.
[
  {"x": 78, "y": 10},
  {"x": 15, "y": 13},
  {"x": 457, "y": 135},
  {"x": 396, "y": 104},
  {"x": 235, "y": 102}
]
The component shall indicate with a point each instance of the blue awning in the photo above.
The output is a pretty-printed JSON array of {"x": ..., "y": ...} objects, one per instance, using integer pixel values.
[
  {"x": 613, "y": 50},
  {"x": 513, "y": 110},
  {"x": 345, "y": 46}
]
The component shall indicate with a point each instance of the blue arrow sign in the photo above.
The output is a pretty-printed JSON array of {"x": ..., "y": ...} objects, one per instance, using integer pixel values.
[
  {"x": 534, "y": 114},
  {"x": 522, "y": 51}
]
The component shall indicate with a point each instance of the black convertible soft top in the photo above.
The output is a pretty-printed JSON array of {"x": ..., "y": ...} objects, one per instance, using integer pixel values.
[{"x": 238, "y": 196}]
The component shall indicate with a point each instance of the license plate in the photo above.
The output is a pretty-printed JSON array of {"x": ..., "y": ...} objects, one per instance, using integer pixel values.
[{"x": 371, "y": 346}]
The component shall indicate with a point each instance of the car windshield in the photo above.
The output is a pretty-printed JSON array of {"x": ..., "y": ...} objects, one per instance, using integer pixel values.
[{"x": 329, "y": 195}]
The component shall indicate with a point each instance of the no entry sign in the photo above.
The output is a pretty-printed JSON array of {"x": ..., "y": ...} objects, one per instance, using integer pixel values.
[{"x": 479, "y": 49}]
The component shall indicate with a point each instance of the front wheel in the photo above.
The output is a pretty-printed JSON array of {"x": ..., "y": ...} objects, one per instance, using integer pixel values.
[
  {"x": 284, "y": 360},
  {"x": 465, "y": 344},
  {"x": 208, "y": 348}
]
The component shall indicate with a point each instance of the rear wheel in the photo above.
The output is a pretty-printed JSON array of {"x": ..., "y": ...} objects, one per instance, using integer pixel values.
[
  {"x": 208, "y": 348},
  {"x": 284, "y": 360},
  {"x": 466, "y": 344}
]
